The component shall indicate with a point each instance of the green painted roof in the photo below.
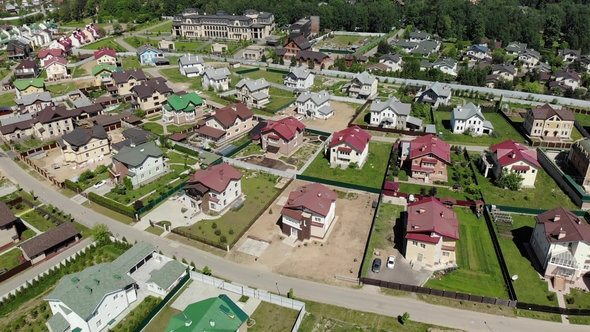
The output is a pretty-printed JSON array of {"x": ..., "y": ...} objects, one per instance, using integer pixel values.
[
  {"x": 168, "y": 274},
  {"x": 58, "y": 323},
  {"x": 208, "y": 158},
  {"x": 214, "y": 314},
  {"x": 180, "y": 103},
  {"x": 23, "y": 84},
  {"x": 137, "y": 155},
  {"x": 102, "y": 67}
]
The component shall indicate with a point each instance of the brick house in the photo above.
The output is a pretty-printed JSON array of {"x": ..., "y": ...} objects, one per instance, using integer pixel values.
[
  {"x": 283, "y": 136},
  {"x": 579, "y": 158}
]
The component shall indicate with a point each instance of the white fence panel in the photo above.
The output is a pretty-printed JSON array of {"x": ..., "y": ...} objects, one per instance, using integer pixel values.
[
  {"x": 348, "y": 100},
  {"x": 246, "y": 165}
]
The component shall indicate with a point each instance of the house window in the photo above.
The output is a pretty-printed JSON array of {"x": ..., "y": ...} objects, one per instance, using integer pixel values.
[
  {"x": 101, "y": 149},
  {"x": 142, "y": 176},
  {"x": 87, "y": 155},
  {"x": 157, "y": 169},
  {"x": 415, "y": 243},
  {"x": 85, "y": 147},
  {"x": 236, "y": 184},
  {"x": 422, "y": 245},
  {"x": 99, "y": 323},
  {"x": 439, "y": 172},
  {"x": 446, "y": 254},
  {"x": 116, "y": 296},
  {"x": 213, "y": 205}
]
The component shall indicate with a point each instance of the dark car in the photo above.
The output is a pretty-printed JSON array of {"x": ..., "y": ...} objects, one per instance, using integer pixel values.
[{"x": 376, "y": 265}]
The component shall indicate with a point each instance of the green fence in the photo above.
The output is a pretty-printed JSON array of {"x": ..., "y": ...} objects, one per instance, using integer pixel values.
[
  {"x": 245, "y": 71},
  {"x": 144, "y": 323},
  {"x": 374, "y": 43},
  {"x": 514, "y": 209},
  {"x": 278, "y": 71},
  {"x": 284, "y": 106},
  {"x": 238, "y": 149},
  {"x": 327, "y": 50},
  {"x": 156, "y": 201},
  {"x": 317, "y": 132},
  {"x": 339, "y": 184}
]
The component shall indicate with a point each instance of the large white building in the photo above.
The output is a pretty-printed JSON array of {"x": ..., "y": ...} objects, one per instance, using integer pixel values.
[
  {"x": 300, "y": 78},
  {"x": 392, "y": 113},
  {"x": 469, "y": 118},
  {"x": 138, "y": 163},
  {"x": 315, "y": 104},
  {"x": 191, "y": 65},
  {"x": 218, "y": 78}
]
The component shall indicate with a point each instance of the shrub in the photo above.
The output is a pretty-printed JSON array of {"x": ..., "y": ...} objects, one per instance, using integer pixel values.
[
  {"x": 112, "y": 205},
  {"x": 217, "y": 232},
  {"x": 402, "y": 176},
  {"x": 551, "y": 297},
  {"x": 214, "y": 225},
  {"x": 138, "y": 204},
  {"x": 70, "y": 185},
  {"x": 571, "y": 300},
  {"x": 223, "y": 239},
  {"x": 185, "y": 150},
  {"x": 231, "y": 231},
  {"x": 405, "y": 318},
  {"x": 206, "y": 271}
]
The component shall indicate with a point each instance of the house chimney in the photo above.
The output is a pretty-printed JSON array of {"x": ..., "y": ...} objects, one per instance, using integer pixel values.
[
  {"x": 513, "y": 154},
  {"x": 442, "y": 214},
  {"x": 579, "y": 221},
  {"x": 416, "y": 226},
  {"x": 319, "y": 194},
  {"x": 234, "y": 107},
  {"x": 557, "y": 217},
  {"x": 422, "y": 210},
  {"x": 561, "y": 234}
]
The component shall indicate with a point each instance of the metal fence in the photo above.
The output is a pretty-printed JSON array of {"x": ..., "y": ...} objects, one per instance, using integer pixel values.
[
  {"x": 339, "y": 184},
  {"x": 246, "y": 165},
  {"x": 278, "y": 71},
  {"x": 144, "y": 323},
  {"x": 521, "y": 210},
  {"x": 238, "y": 149},
  {"x": 348, "y": 100},
  {"x": 157, "y": 200},
  {"x": 246, "y": 71}
]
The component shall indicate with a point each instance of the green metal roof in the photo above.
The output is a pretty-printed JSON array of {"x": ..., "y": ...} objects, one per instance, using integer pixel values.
[
  {"x": 103, "y": 67},
  {"x": 77, "y": 329},
  {"x": 168, "y": 274},
  {"x": 214, "y": 314},
  {"x": 180, "y": 103},
  {"x": 137, "y": 155},
  {"x": 58, "y": 323},
  {"x": 23, "y": 84},
  {"x": 208, "y": 158}
]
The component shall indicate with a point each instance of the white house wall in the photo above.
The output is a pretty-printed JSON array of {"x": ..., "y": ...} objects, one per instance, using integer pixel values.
[{"x": 227, "y": 197}]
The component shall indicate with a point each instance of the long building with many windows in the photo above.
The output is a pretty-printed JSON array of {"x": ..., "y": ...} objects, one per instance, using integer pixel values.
[{"x": 252, "y": 25}]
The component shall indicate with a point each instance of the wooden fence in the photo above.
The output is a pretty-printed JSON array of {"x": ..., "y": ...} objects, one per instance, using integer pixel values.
[
  {"x": 53, "y": 145},
  {"x": 15, "y": 270}
]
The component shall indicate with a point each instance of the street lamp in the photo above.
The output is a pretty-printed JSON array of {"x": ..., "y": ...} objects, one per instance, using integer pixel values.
[{"x": 278, "y": 288}]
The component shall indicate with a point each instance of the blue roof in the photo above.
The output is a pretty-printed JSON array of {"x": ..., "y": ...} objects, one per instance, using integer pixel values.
[{"x": 479, "y": 48}]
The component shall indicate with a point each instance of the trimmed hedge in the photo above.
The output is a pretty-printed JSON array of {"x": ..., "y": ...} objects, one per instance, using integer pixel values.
[
  {"x": 188, "y": 151},
  {"x": 112, "y": 205},
  {"x": 72, "y": 185}
]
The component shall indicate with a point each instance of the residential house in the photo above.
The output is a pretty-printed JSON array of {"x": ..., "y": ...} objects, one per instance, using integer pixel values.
[
  {"x": 8, "y": 232},
  {"x": 138, "y": 163},
  {"x": 469, "y": 118},
  {"x": 218, "y": 78},
  {"x": 300, "y": 78},
  {"x": 283, "y": 136},
  {"x": 11, "y": 9},
  {"x": 253, "y": 53},
  {"x": 478, "y": 52},
  {"x": 293, "y": 46},
  {"x": 428, "y": 159},
  {"x": 446, "y": 65},
  {"x": 585, "y": 63},
  {"x": 76, "y": 39},
  {"x": 419, "y": 36},
  {"x": 253, "y": 93},
  {"x": 529, "y": 57},
  {"x": 218, "y": 49},
  {"x": 431, "y": 233},
  {"x": 83, "y": 145},
  {"x": 309, "y": 212},
  {"x": 213, "y": 189},
  {"x": 88, "y": 300},
  {"x": 191, "y": 65},
  {"x": 436, "y": 94},
  {"x": 503, "y": 71},
  {"x": 315, "y": 104},
  {"x": 406, "y": 45},
  {"x": 579, "y": 158},
  {"x": 148, "y": 54},
  {"x": 512, "y": 157},
  {"x": 348, "y": 147},
  {"x": 163, "y": 280},
  {"x": 561, "y": 242},
  {"x": 34, "y": 103},
  {"x": 226, "y": 123},
  {"x": 166, "y": 45},
  {"x": 515, "y": 48},
  {"x": 42, "y": 246},
  {"x": 426, "y": 48},
  {"x": 151, "y": 94},
  {"x": 349, "y": 59},
  {"x": 301, "y": 27},
  {"x": 27, "y": 87},
  {"x": 319, "y": 59},
  {"x": 103, "y": 74},
  {"x": 27, "y": 69},
  {"x": 16, "y": 49},
  {"x": 546, "y": 122},
  {"x": 183, "y": 108},
  {"x": 568, "y": 77},
  {"x": 392, "y": 113},
  {"x": 362, "y": 86},
  {"x": 49, "y": 53},
  {"x": 206, "y": 315},
  {"x": 393, "y": 61},
  {"x": 378, "y": 67},
  {"x": 569, "y": 55},
  {"x": 125, "y": 80},
  {"x": 57, "y": 68},
  {"x": 106, "y": 56}
]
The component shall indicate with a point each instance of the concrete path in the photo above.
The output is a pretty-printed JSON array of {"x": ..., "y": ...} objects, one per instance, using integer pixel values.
[
  {"x": 29, "y": 226},
  {"x": 11, "y": 248}
]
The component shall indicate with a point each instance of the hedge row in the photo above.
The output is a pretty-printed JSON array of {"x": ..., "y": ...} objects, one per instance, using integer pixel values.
[
  {"x": 112, "y": 205},
  {"x": 183, "y": 149},
  {"x": 72, "y": 185}
]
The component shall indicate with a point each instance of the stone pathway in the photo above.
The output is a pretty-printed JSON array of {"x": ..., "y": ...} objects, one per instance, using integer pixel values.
[{"x": 561, "y": 301}]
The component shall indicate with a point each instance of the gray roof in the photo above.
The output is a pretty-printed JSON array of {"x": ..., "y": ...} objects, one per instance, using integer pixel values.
[
  {"x": 530, "y": 52},
  {"x": 426, "y": 47},
  {"x": 325, "y": 110},
  {"x": 516, "y": 47},
  {"x": 488, "y": 124},
  {"x": 317, "y": 98},
  {"x": 406, "y": 44},
  {"x": 191, "y": 70},
  {"x": 191, "y": 59},
  {"x": 137, "y": 155},
  {"x": 391, "y": 57},
  {"x": 365, "y": 78},
  {"x": 217, "y": 73},
  {"x": 58, "y": 323},
  {"x": 17, "y": 118},
  {"x": 80, "y": 136},
  {"x": 543, "y": 67},
  {"x": 430, "y": 128},
  {"x": 81, "y": 100},
  {"x": 300, "y": 72},
  {"x": 129, "y": 259},
  {"x": 504, "y": 68},
  {"x": 419, "y": 34},
  {"x": 167, "y": 274},
  {"x": 414, "y": 121},
  {"x": 138, "y": 136},
  {"x": 30, "y": 99},
  {"x": 467, "y": 112},
  {"x": 260, "y": 95},
  {"x": 425, "y": 64},
  {"x": 144, "y": 48},
  {"x": 446, "y": 62},
  {"x": 253, "y": 85},
  {"x": 392, "y": 103},
  {"x": 440, "y": 90}
]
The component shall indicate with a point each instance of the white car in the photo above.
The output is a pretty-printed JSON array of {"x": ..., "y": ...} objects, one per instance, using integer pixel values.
[
  {"x": 390, "y": 262},
  {"x": 100, "y": 184}
]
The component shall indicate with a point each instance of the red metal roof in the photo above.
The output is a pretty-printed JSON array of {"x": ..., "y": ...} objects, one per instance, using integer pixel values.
[
  {"x": 53, "y": 51},
  {"x": 314, "y": 197},
  {"x": 343, "y": 149},
  {"x": 105, "y": 51},
  {"x": 422, "y": 238},
  {"x": 273, "y": 136},
  {"x": 390, "y": 185},
  {"x": 572, "y": 227},
  {"x": 447, "y": 248},
  {"x": 354, "y": 137},
  {"x": 521, "y": 167},
  {"x": 286, "y": 128},
  {"x": 510, "y": 152},
  {"x": 216, "y": 178},
  {"x": 422, "y": 169},
  {"x": 430, "y": 144},
  {"x": 294, "y": 214},
  {"x": 429, "y": 215}
]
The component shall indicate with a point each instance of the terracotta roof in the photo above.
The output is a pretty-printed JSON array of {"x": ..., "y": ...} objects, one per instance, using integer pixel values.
[
  {"x": 59, "y": 60},
  {"x": 53, "y": 51},
  {"x": 430, "y": 144},
  {"x": 354, "y": 137},
  {"x": 286, "y": 128},
  {"x": 6, "y": 215},
  {"x": 227, "y": 115},
  {"x": 216, "y": 178},
  {"x": 211, "y": 132},
  {"x": 509, "y": 152},
  {"x": 49, "y": 239},
  {"x": 574, "y": 227},
  {"x": 314, "y": 197},
  {"x": 105, "y": 51},
  {"x": 546, "y": 111},
  {"x": 429, "y": 215}
]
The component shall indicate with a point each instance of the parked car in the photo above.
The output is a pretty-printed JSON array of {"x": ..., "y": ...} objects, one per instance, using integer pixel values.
[
  {"x": 100, "y": 184},
  {"x": 390, "y": 262},
  {"x": 376, "y": 265}
]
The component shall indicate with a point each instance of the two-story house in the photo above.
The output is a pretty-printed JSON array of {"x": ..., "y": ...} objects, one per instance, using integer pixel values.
[
  {"x": 217, "y": 78},
  {"x": 105, "y": 56},
  {"x": 191, "y": 65},
  {"x": 57, "y": 68},
  {"x": 319, "y": 59},
  {"x": 546, "y": 121},
  {"x": 85, "y": 144},
  {"x": 446, "y": 65},
  {"x": 529, "y": 58},
  {"x": 147, "y": 55},
  {"x": 226, "y": 123},
  {"x": 181, "y": 108},
  {"x": 213, "y": 189},
  {"x": 293, "y": 46},
  {"x": 478, "y": 52},
  {"x": 362, "y": 86},
  {"x": 585, "y": 63},
  {"x": 8, "y": 232},
  {"x": 393, "y": 61},
  {"x": 283, "y": 136},
  {"x": 309, "y": 212},
  {"x": 512, "y": 157},
  {"x": 419, "y": 36},
  {"x": 27, "y": 69},
  {"x": 502, "y": 71},
  {"x": 315, "y": 104},
  {"x": 392, "y": 113},
  {"x": 253, "y": 93},
  {"x": 569, "y": 55},
  {"x": 428, "y": 159},
  {"x": 300, "y": 78},
  {"x": 125, "y": 80},
  {"x": 561, "y": 242},
  {"x": 570, "y": 78},
  {"x": 579, "y": 159},
  {"x": 436, "y": 94},
  {"x": 49, "y": 53},
  {"x": 103, "y": 74},
  {"x": 348, "y": 147},
  {"x": 151, "y": 94},
  {"x": 470, "y": 118},
  {"x": 29, "y": 86},
  {"x": 431, "y": 233},
  {"x": 34, "y": 103},
  {"x": 514, "y": 48},
  {"x": 16, "y": 49},
  {"x": 139, "y": 163}
]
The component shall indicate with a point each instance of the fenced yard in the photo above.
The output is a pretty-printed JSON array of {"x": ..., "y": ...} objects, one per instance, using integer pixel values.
[
  {"x": 267, "y": 75},
  {"x": 383, "y": 236},
  {"x": 502, "y": 130}
]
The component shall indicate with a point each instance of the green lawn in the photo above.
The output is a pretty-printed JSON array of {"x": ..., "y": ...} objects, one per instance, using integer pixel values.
[
  {"x": 135, "y": 194},
  {"x": 139, "y": 313},
  {"x": 79, "y": 72},
  {"x": 7, "y": 99},
  {"x": 104, "y": 43},
  {"x": 154, "y": 118},
  {"x": 503, "y": 130},
  {"x": 90, "y": 182},
  {"x": 371, "y": 175},
  {"x": 267, "y": 75},
  {"x": 36, "y": 220},
  {"x": 479, "y": 271},
  {"x": 581, "y": 299},
  {"x": 341, "y": 40},
  {"x": 154, "y": 128},
  {"x": 251, "y": 150},
  {"x": 583, "y": 119},
  {"x": 178, "y": 158},
  {"x": 173, "y": 75},
  {"x": 279, "y": 98},
  {"x": 155, "y": 230},
  {"x": 131, "y": 62},
  {"x": 162, "y": 28},
  {"x": 61, "y": 89},
  {"x": 529, "y": 287},
  {"x": 271, "y": 317},
  {"x": 383, "y": 232},
  {"x": 9, "y": 259},
  {"x": 176, "y": 129}
]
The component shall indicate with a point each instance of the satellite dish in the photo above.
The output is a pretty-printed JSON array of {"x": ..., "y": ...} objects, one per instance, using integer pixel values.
[{"x": 514, "y": 277}]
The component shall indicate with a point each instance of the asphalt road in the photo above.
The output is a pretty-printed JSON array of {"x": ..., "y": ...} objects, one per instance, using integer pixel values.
[{"x": 367, "y": 299}]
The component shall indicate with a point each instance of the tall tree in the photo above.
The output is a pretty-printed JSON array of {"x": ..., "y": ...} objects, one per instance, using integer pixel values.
[{"x": 551, "y": 30}]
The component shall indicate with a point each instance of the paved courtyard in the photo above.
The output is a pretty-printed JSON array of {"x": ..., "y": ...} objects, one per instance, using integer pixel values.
[
  {"x": 171, "y": 210},
  {"x": 402, "y": 272}
]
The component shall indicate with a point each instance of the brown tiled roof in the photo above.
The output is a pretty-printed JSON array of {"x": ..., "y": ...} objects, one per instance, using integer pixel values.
[
  {"x": 310, "y": 55},
  {"x": 545, "y": 112},
  {"x": 314, "y": 197},
  {"x": 227, "y": 115},
  {"x": 125, "y": 75},
  {"x": 6, "y": 215},
  {"x": 49, "y": 239},
  {"x": 211, "y": 132},
  {"x": 148, "y": 88},
  {"x": 574, "y": 227}
]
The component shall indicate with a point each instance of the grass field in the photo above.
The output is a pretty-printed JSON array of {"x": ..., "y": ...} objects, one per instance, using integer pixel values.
[
  {"x": 278, "y": 98},
  {"x": 132, "y": 195},
  {"x": 154, "y": 128},
  {"x": 271, "y": 317},
  {"x": 371, "y": 175},
  {"x": 162, "y": 28},
  {"x": 501, "y": 127},
  {"x": 61, "y": 89},
  {"x": 267, "y": 75},
  {"x": 155, "y": 230},
  {"x": 176, "y": 129},
  {"x": 479, "y": 271},
  {"x": 9, "y": 259},
  {"x": 79, "y": 72},
  {"x": 581, "y": 299},
  {"x": 383, "y": 232},
  {"x": 173, "y": 75},
  {"x": 7, "y": 99},
  {"x": 178, "y": 158},
  {"x": 107, "y": 42},
  {"x": 341, "y": 40}
]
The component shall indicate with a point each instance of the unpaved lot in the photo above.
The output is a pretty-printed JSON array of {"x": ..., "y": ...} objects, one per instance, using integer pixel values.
[
  {"x": 267, "y": 162},
  {"x": 343, "y": 112},
  {"x": 315, "y": 261}
]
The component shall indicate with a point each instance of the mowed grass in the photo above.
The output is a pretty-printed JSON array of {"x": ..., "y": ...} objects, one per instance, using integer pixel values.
[
  {"x": 162, "y": 28},
  {"x": 479, "y": 271},
  {"x": 581, "y": 299},
  {"x": 173, "y": 75},
  {"x": 279, "y": 98},
  {"x": 7, "y": 99},
  {"x": 341, "y": 40},
  {"x": 503, "y": 129},
  {"x": 371, "y": 175},
  {"x": 103, "y": 43},
  {"x": 383, "y": 231},
  {"x": 267, "y": 75},
  {"x": 9, "y": 260},
  {"x": 271, "y": 317},
  {"x": 154, "y": 128}
]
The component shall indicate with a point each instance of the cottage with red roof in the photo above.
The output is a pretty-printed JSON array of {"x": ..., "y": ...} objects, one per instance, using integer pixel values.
[
  {"x": 283, "y": 136},
  {"x": 57, "y": 68},
  {"x": 106, "y": 56},
  {"x": 348, "y": 147},
  {"x": 561, "y": 242},
  {"x": 47, "y": 54},
  {"x": 548, "y": 122},
  {"x": 431, "y": 233},
  {"x": 428, "y": 157},
  {"x": 512, "y": 157},
  {"x": 213, "y": 189},
  {"x": 228, "y": 122},
  {"x": 309, "y": 212}
]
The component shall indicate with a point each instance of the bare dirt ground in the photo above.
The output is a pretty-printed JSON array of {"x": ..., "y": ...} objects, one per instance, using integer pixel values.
[
  {"x": 318, "y": 261},
  {"x": 343, "y": 112},
  {"x": 267, "y": 162}
]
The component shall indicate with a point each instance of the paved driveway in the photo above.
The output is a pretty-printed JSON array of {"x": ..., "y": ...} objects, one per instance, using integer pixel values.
[
  {"x": 402, "y": 273},
  {"x": 102, "y": 190}
]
